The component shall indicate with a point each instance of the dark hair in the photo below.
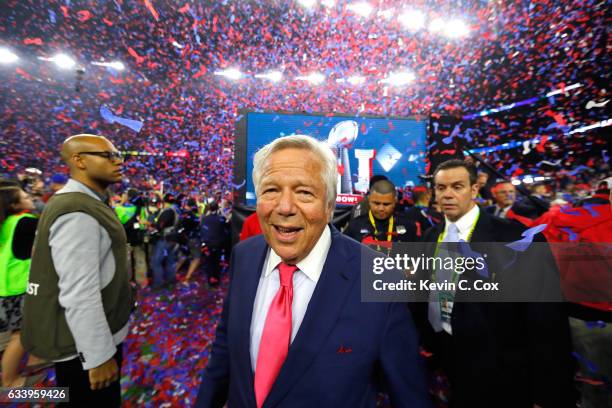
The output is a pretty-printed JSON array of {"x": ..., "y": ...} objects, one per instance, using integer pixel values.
[
  {"x": 212, "y": 207},
  {"x": 419, "y": 193},
  {"x": 132, "y": 193},
  {"x": 169, "y": 198},
  {"x": 191, "y": 202},
  {"x": 383, "y": 187},
  {"x": 499, "y": 183},
  {"x": 9, "y": 197},
  {"x": 9, "y": 183},
  {"x": 455, "y": 163},
  {"x": 376, "y": 178}
]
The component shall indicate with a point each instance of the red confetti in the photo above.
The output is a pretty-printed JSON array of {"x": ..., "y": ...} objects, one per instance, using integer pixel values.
[
  {"x": 134, "y": 54},
  {"x": 23, "y": 73},
  {"x": 151, "y": 9},
  {"x": 33, "y": 41},
  {"x": 83, "y": 15}
]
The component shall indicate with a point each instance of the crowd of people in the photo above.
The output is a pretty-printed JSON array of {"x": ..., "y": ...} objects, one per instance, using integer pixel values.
[
  {"x": 545, "y": 63},
  {"x": 189, "y": 113}
]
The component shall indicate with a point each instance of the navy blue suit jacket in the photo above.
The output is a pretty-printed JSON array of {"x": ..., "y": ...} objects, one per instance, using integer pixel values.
[{"x": 344, "y": 353}]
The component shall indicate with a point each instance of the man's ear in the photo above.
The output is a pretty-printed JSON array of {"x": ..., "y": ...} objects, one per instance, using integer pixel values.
[
  {"x": 330, "y": 212},
  {"x": 78, "y": 162},
  {"x": 475, "y": 190}
]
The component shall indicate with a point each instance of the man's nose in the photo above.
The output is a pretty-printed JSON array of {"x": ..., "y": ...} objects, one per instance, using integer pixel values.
[{"x": 286, "y": 203}]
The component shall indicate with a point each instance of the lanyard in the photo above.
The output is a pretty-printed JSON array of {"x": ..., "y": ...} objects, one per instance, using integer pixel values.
[{"x": 389, "y": 231}]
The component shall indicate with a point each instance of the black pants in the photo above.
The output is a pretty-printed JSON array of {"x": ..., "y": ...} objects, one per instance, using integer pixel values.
[
  {"x": 211, "y": 263},
  {"x": 71, "y": 374}
]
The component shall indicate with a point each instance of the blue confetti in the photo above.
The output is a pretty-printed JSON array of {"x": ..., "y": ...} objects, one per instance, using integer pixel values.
[
  {"x": 522, "y": 244},
  {"x": 108, "y": 116}
]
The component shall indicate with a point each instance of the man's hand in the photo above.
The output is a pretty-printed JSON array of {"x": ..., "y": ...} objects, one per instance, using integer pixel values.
[{"x": 103, "y": 375}]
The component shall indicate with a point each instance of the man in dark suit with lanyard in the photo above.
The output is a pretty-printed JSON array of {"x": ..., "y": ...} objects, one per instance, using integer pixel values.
[
  {"x": 381, "y": 223},
  {"x": 496, "y": 354}
]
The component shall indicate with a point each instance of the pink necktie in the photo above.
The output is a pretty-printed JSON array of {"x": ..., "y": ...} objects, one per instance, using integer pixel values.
[{"x": 274, "y": 344}]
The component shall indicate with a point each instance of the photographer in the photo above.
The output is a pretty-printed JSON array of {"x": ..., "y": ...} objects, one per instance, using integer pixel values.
[
  {"x": 163, "y": 261},
  {"x": 214, "y": 234},
  {"x": 189, "y": 231}
]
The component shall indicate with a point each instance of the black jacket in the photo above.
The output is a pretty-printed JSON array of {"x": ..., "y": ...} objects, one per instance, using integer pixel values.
[
  {"x": 503, "y": 354},
  {"x": 214, "y": 231},
  {"x": 404, "y": 230}
]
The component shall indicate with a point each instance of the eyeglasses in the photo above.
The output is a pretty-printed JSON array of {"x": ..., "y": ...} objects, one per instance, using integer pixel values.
[{"x": 112, "y": 156}]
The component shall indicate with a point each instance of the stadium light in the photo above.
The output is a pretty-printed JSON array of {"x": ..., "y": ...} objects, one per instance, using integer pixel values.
[
  {"x": 456, "y": 29},
  {"x": 63, "y": 61},
  {"x": 436, "y": 25},
  {"x": 116, "y": 65},
  {"x": 399, "y": 79},
  {"x": 230, "y": 73},
  {"x": 329, "y": 3},
  {"x": 273, "y": 76},
  {"x": 413, "y": 20},
  {"x": 353, "y": 80},
  {"x": 314, "y": 78},
  {"x": 387, "y": 14},
  {"x": 362, "y": 9},
  {"x": 356, "y": 80},
  {"x": 307, "y": 3},
  {"x": 7, "y": 56}
]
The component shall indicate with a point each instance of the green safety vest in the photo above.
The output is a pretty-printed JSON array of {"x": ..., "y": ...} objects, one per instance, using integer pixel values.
[
  {"x": 13, "y": 272},
  {"x": 125, "y": 212}
]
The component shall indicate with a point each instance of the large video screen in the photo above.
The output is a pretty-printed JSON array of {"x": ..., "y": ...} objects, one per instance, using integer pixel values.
[{"x": 364, "y": 146}]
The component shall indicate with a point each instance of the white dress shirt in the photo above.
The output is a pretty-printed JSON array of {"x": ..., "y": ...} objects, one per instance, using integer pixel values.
[
  {"x": 501, "y": 212},
  {"x": 304, "y": 282},
  {"x": 465, "y": 223},
  {"x": 464, "y": 226}
]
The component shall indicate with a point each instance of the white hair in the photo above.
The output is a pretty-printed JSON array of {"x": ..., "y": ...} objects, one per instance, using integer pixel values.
[{"x": 329, "y": 166}]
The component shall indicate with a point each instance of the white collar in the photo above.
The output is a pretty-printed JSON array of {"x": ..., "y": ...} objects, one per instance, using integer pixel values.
[
  {"x": 466, "y": 222},
  {"x": 312, "y": 265}
]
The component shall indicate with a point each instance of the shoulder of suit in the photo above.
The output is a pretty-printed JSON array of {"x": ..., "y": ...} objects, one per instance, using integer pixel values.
[
  {"x": 508, "y": 226},
  {"x": 361, "y": 218},
  {"x": 401, "y": 216},
  {"x": 355, "y": 247}
]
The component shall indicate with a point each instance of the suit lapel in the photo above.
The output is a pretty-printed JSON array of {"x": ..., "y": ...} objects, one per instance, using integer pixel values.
[
  {"x": 248, "y": 283},
  {"x": 482, "y": 229},
  {"x": 328, "y": 299}
]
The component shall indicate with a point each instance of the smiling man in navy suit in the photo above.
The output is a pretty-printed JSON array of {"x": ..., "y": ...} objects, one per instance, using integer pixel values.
[{"x": 294, "y": 332}]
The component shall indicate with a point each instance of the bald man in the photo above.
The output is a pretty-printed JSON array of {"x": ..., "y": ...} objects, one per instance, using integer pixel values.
[{"x": 78, "y": 299}]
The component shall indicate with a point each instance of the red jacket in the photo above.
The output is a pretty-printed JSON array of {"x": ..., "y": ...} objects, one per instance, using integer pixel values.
[
  {"x": 592, "y": 224},
  {"x": 250, "y": 227}
]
